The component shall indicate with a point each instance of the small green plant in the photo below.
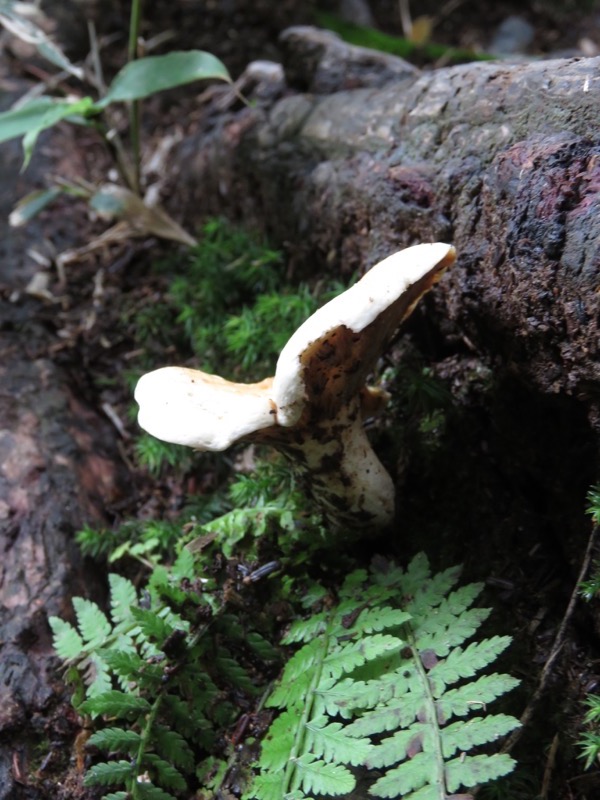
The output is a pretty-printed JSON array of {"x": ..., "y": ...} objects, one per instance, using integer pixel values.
[
  {"x": 590, "y": 588},
  {"x": 589, "y": 742},
  {"x": 230, "y": 308},
  {"x": 161, "y": 679},
  {"x": 382, "y": 681},
  {"x": 154, "y": 455},
  {"x": 378, "y": 675},
  {"x": 232, "y": 304},
  {"x": 140, "y": 78}
]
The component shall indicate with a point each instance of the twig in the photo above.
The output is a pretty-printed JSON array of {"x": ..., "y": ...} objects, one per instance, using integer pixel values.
[
  {"x": 556, "y": 647},
  {"x": 549, "y": 769},
  {"x": 96, "y": 61},
  {"x": 405, "y": 18}
]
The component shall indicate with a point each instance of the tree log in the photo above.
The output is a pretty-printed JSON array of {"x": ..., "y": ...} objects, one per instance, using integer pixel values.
[
  {"x": 59, "y": 469},
  {"x": 500, "y": 159}
]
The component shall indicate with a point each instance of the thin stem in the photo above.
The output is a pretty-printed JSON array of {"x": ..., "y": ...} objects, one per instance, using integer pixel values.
[
  {"x": 145, "y": 738},
  {"x": 134, "y": 29},
  {"x": 405, "y": 18},
  {"x": 557, "y": 646},
  {"x": 135, "y": 106},
  {"x": 291, "y": 778},
  {"x": 96, "y": 61},
  {"x": 431, "y": 718}
]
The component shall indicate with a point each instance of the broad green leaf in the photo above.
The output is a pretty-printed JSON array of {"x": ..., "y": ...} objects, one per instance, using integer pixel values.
[
  {"x": 108, "y": 773},
  {"x": 75, "y": 111},
  {"x": 473, "y": 770},
  {"x": 17, "y": 121},
  {"x": 27, "y": 31},
  {"x": 116, "y": 796},
  {"x": 93, "y": 624},
  {"x": 30, "y": 206},
  {"x": 67, "y": 642},
  {"x": 153, "y": 74},
  {"x": 115, "y": 739}
]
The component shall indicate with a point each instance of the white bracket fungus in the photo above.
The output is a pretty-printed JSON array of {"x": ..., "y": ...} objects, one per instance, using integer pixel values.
[{"x": 313, "y": 408}]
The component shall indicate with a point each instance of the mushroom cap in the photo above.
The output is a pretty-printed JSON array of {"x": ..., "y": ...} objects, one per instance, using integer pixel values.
[
  {"x": 327, "y": 360},
  {"x": 190, "y": 407}
]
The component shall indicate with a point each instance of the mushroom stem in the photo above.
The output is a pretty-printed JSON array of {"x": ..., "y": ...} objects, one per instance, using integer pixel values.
[{"x": 346, "y": 478}]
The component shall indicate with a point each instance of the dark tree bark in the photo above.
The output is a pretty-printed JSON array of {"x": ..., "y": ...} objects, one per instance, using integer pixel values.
[
  {"x": 502, "y": 160},
  {"x": 59, "y": 469}
]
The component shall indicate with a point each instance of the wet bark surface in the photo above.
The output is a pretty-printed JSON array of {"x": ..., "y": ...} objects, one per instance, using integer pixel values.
[
  {"x": 501, "y": 160},
  {"x": 59, "y": 469}
]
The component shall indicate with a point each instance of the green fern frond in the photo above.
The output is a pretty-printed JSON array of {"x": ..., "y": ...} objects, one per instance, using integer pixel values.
[
  {"x": 123, "y": 596},
  {"x": 146, "y": 790},
  {"x": 314, "y": 775},
  {"x": 92, "y": 622},
  {"x": 116, "y": 739},
  {"x": 354, "y": 696},
  {"x": 233, "y": 672},
  {"x": 108, "y": 773},
  {"x": 67, "y": 642},
  {"x": 173, "y": 747},
  {"x": 114, "y": 703},
  {"x": 330, "y": 741},
  {"x": 166, "y": 774}
]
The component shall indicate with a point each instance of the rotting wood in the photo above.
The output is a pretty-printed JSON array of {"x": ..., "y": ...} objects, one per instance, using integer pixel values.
[{"x": 502, "y": 160}]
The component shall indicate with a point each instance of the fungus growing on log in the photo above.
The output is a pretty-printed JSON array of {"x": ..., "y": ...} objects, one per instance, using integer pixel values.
[{"x": 313, "y": 409}]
